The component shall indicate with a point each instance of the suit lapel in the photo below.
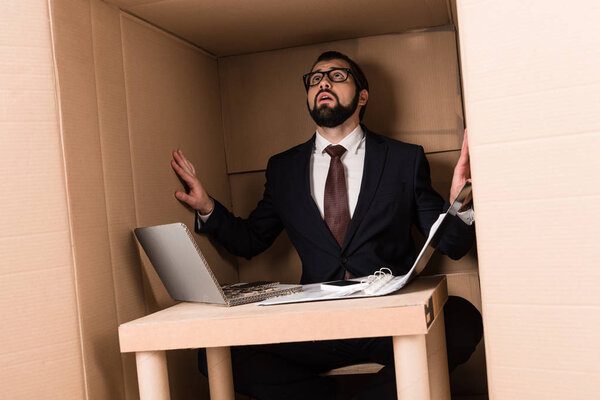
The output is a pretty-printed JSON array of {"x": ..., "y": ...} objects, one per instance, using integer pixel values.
[{"x": 375, "y": 155}]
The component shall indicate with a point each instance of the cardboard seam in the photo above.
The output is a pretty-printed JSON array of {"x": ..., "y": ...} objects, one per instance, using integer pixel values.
[
  {"x": 237, "y": 266},
  {"x": 162, "y": 31},
  {"x": 592, "y": 133},
  {"x": 568, "y": 371},
  {"x": 31, "y": 271},
  {"x": 35, "y": 349},
  {"x": 133, "y": 177},
  {"x": 115, "y": 294},
  {"x": 30, "y": 235},
  {"x": 542, "y": 199},
  {"x": 437, "y": 28},
  {"x": 537, "y": 92},
  {"x": 563, "y": 306},
  {"x": 68, "y": 200},
  {"x": 460, "y": 82}
]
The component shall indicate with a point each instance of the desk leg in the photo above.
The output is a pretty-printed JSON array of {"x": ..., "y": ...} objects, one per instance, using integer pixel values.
[
  {"x": 437, "y": 359},
  {"x": 153, "y": 378},
  {"x": 220, "y": 374},
  {"x": 412, "y": 374}
]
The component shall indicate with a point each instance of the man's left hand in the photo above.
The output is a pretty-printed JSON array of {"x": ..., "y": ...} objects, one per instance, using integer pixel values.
[{"x": 462, "y": 171}]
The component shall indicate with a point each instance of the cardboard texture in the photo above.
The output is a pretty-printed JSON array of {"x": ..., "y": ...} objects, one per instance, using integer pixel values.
[
  {"x": 72, "y": 31},
  {"x": 532, "y": 108},
  {"x": 118, "y": 178},
  {"x": 35, "y": 241},
  {"x": 93, "y": 102},
  {"x": 414, "y": 95},
  {"x": 208, "y": 24},
  {"x": 171, "y": 91}
]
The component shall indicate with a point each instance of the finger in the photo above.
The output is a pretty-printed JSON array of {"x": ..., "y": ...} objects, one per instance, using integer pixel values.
[
  {"x": 464, "y": 151},
  {"x": 183, "y": 174},
  {"x": 187, "y": 163},
  {"x": 186, "y": 198},
  {"x": 181, "y": 161}
]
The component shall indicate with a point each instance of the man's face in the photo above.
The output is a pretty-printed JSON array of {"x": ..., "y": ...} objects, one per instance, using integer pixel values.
[{"x": 332, "y": 103}]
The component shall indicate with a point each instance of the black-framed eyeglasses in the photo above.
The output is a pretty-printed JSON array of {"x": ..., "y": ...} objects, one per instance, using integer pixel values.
[{"x": 334, "y": 75}]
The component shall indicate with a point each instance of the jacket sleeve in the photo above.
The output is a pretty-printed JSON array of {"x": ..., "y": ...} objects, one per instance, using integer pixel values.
[
  {"x": 245, "y": 237},
  {"x": 457, "y": 237}
]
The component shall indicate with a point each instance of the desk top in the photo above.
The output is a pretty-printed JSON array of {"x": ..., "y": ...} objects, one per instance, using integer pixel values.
[{"x": 192, "y": 325}]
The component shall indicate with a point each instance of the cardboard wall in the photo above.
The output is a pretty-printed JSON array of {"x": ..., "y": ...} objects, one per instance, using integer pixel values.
[
  {"x": 99, "y": 99},
  {"x": 414, "y": 96},
  {"x": 533, "y": 112},
  {"x": 413, "y": 80},
  {"x": 93, "y": 103},
  {"x": 40, "y": 353},
  {"x": 263, "y": 25}
]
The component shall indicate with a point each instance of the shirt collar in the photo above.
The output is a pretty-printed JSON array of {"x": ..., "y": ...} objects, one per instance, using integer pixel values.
[{"x": 350, "y": 142}]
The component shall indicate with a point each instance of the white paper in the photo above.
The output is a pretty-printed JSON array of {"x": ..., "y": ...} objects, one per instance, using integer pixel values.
[{"x": 313, "y": 292}]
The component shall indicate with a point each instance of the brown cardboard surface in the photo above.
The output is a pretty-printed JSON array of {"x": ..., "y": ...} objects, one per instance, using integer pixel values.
[
  {"x": 72, "y": 33},
  {"x": 37, "y": 263},
  {"x": 557, "y": 167},
  {"x": 173, "y": 102},
  {"x": 546, "y": 222},
  {"x": 266, "y": 25},
  {"x": 535, "y": 353},
  {"x": 414, "y": 95},
  {"x": 532, "y": 108},
  {"x": 537, "y": 323},
  {"x": 543, "y": 81},
  {"x": 118, "y": 179},
  {"x": 129, "y": 94},
  {"x": 548, "y": 262}
]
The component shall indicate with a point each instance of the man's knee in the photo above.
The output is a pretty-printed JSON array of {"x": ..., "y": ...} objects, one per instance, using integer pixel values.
[
  {"x": 202, "y": 365},
  {"x": 464, "y": 330}
]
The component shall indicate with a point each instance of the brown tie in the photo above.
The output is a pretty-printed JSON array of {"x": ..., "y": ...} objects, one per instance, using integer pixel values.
[{"x": 337, "y": 213}]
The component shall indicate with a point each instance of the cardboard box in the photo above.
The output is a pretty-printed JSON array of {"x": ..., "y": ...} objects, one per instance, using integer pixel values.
[
  {"x": 533, "y": 111},
  {"x": 95, "y": 96},
  {"x": 94, "y": 100}
]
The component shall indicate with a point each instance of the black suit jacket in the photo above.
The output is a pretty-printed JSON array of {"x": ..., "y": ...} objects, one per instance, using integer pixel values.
[{"x": 395, "y": 193}]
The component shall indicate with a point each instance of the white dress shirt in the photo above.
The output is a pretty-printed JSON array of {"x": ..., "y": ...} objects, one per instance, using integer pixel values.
[{"x": 353, "y": 161}]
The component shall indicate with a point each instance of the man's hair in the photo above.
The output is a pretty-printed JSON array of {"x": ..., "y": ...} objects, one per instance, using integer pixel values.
[{"x": 360, "y": 80}]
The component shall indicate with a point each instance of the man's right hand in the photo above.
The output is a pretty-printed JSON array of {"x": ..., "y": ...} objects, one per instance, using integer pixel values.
[{"x": 197, "y": 198}]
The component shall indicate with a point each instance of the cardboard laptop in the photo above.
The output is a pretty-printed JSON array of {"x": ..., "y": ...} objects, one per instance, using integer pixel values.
[{"x": 186, "y": 274}]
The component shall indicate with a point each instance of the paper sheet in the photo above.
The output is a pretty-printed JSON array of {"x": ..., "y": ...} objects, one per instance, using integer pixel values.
[{"x": 313, "y": 292}]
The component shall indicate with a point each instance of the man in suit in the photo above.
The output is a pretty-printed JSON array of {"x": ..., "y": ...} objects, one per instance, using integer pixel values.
[{"x": 347, "y": 199}]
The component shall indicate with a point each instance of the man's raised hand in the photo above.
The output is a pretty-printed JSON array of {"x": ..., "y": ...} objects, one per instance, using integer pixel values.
[
  {"x": 462, "y": 171},
  {"x": 196, "y": 197}
]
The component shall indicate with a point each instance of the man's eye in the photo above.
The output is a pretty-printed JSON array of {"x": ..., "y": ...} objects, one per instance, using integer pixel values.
[
  {"x": 338, "y": 76},
  {"x": 316, "y": 79}
]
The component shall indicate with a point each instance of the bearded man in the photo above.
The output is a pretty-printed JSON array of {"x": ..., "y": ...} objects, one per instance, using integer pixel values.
[{"x": 347, "y": 199}]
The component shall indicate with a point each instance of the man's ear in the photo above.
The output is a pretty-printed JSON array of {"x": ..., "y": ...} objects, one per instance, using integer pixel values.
[{"x": 363, "y": 97}]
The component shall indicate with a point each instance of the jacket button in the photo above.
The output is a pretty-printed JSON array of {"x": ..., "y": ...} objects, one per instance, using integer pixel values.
[{"x": 344, "y": 260}]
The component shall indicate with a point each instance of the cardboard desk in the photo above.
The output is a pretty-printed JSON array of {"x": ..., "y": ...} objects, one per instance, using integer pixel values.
[{"x": 413, "y": 318}]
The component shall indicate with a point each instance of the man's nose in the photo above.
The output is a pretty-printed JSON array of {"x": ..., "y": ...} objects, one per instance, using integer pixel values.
[{"x": 325, "y": 83}]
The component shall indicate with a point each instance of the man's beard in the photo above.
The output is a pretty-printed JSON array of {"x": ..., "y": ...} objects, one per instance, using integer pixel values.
[{"x": 331, "y": 117}]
